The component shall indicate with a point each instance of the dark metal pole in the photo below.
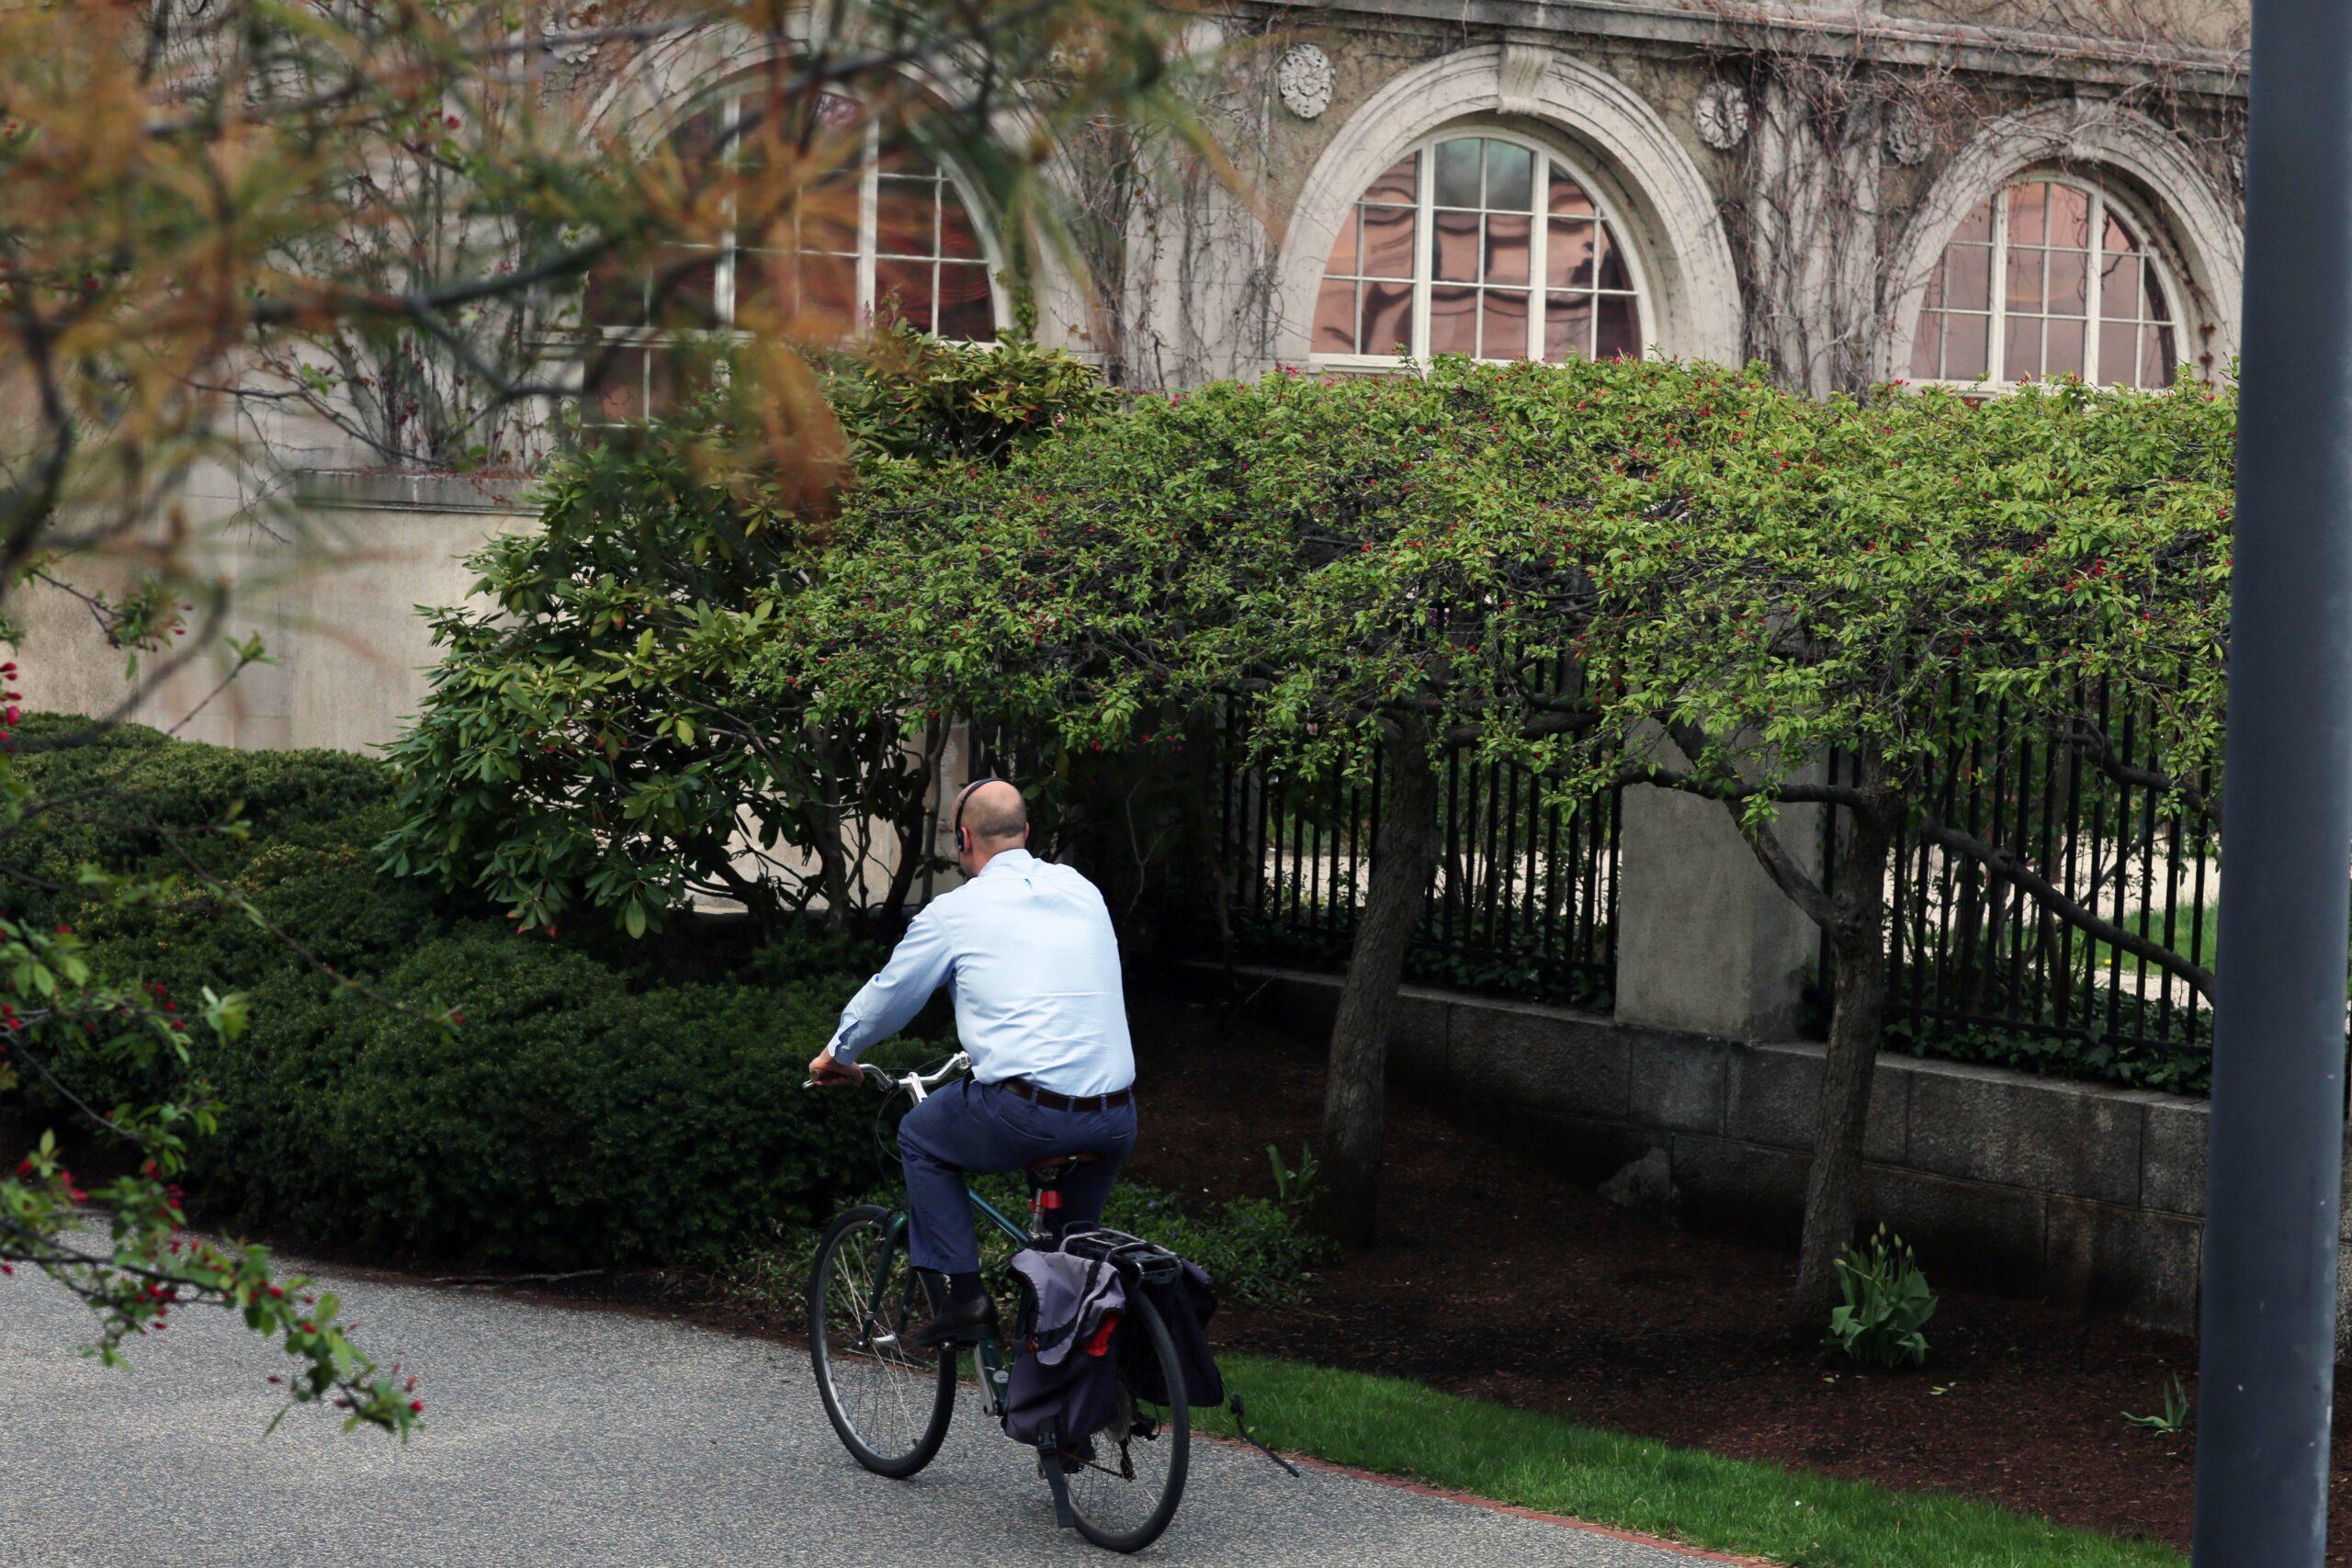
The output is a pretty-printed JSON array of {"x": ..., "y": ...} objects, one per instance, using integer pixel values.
[{"x": 2267, "y": 1380}]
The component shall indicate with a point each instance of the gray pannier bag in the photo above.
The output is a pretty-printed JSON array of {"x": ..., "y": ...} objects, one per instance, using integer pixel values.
[
  {"x": 1065, "y": 1376},
  {"x": 1186, "y": 1299}
]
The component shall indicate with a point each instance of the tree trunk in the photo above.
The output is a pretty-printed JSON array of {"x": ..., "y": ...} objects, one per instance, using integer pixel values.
[
  {"x": 1858, "y": 944},
  {"x": 1355, "y": 1094}
]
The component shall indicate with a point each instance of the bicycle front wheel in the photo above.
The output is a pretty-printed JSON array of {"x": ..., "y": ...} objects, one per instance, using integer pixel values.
[
  {"x": 889, "y": 1401},
  {"x": 1126, "y": 1477}
]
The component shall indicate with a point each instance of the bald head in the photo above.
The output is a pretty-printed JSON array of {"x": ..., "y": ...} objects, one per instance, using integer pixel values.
[{"x": 995, "y": 816}]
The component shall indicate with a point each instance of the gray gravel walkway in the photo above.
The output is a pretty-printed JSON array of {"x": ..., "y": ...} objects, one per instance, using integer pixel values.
[{"x": 565, "y": 1435}]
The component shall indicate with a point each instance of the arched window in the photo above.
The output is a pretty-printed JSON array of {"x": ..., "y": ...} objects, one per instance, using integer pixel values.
[
  {"x": 1483, "y": 244},
  {"x": 2049, "y": 278},
  {"x": 888, "y": 235}
]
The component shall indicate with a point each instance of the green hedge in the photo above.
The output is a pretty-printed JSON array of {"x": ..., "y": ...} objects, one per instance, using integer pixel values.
[
  {"x": 168, "y": 801},
  {"x": 590, "y": 1109},
  {"x": 566, "y": 1122},
  {"x": 583, "y": 1112}
]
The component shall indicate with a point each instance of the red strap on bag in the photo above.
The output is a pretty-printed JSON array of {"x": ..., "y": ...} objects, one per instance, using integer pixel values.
[{"x": 1101, "y": 1344}]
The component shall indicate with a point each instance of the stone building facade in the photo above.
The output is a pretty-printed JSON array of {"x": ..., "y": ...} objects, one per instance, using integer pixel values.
[
  {"x": 1966, "y": 190},
  {"x": 1947, "y": 190}
]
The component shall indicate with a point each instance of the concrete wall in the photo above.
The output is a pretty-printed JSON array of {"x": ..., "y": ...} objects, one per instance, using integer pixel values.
[
  {"x": 2090, "y": 1195},
  {"x": 333, "y": 595}
]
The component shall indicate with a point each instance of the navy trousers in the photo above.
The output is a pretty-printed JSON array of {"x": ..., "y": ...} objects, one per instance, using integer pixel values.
[{"x": 971, "y": 1126}]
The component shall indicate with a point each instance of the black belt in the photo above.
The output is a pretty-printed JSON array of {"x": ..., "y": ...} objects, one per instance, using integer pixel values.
[{"x": 1052, "y": 1101}]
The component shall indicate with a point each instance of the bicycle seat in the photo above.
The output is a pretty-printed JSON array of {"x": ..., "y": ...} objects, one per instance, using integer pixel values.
[{"x": 1045, "y": 1172}]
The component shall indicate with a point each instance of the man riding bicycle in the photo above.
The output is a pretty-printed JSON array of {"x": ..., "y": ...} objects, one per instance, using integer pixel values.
[{"x": 1040, "y": 1010}]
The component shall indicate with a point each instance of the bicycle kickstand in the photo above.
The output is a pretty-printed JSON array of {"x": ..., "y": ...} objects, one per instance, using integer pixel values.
[{"x": 1049, "y": 1460}]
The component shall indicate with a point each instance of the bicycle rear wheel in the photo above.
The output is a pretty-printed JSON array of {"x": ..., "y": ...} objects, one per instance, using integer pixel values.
[
  {"x": 889, "y": 1402},
  {"x": 1126, "y": 1477}
]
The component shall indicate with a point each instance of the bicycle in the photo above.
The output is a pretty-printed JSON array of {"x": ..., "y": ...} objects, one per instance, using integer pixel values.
[{"x": 890, "y": 1401}]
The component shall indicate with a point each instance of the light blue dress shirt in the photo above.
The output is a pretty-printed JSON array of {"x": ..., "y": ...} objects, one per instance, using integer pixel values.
[{"x": 1035, "y": 966}]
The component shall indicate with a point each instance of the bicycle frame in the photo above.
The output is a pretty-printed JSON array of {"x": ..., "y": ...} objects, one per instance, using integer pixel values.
[{"x": 995, "y": 1366}]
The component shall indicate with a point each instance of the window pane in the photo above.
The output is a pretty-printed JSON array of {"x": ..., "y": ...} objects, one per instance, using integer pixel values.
[
  {"x": 1617, "y": 328},
  {"x": 1934, "y": 297},
  {"x": 1388, "y": 241},
  {"x": 2062, "y": 353},
  {"x": 2118, "y": 288},
  {"x": 1502, "y": 332},
  {"x": 1453, "y": 320},
  {"x": 1567, "y": 326},
  {"x": 615, "y": 295},
  {"x": 1455, "y": 255},
  {"x": 959, "y": 237},
  {"x": 1568, "y": 198},
  {"x": 2070, "y": 216},
  {"x": 1508, "y": 245},
  {"x": 1568, "y": 256},
  {"x": 2022, "y": 348},
  {"x": 1387, "y": 319},
  {"x": 1335, "y": 317},
  {"x": 615, "y": 386},
  {"x": 2069, "y": 282},
  {"x": 1978, "y": 227},
  {"x": 2119, "y": 347},
  {"x": 1510, "y": 177},
  {"x": 1457, "y": 172},
  {"x": 2025, "y": 279},
  {"x": 1399, "y": 184},
  {"x": 2158, "y": 311},
  {"x": 906, "y": 215},
  {"x": 1612, "y": 262},
  {"x": 1967, "y": 341},
  {"x": 1926, "y": 345},
  {"x": 1968, "y": 277},
  {"x": 767, "y": 284},
  {"x": 829, "y": 286},
  {"x": 2116, "y": 236},
  {"x": 2156, "y": 363},
  {"x": 1343, "y": 248},
  {"x": 967, "y": 309},
  {"x": 684, "y": 288},
  {"x": 903, "y": 292},
  {"x": 2027, "y": 205}
]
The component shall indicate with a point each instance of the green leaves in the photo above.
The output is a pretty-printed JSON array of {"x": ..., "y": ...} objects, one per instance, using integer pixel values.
[{"x": 616, "y": 734}]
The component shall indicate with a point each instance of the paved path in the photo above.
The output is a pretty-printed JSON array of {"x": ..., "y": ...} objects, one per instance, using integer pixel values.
[{"x": 571, "y": 1436}]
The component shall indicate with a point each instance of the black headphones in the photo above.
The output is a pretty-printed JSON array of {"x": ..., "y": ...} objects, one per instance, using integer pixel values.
[{"x": 962, "y": 846}]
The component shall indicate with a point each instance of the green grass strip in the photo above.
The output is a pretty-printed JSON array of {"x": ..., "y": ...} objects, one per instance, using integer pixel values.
[{"x": 1535, "y": 1461}]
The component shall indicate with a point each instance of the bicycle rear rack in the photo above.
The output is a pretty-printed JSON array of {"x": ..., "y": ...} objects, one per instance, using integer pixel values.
[{"x": 1146, "y": 1262}]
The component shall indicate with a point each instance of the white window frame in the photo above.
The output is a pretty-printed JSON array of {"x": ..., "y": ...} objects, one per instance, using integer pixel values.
[
  {"x": 1539, "y": 258},
  {"x": 1997, "y": 348}
]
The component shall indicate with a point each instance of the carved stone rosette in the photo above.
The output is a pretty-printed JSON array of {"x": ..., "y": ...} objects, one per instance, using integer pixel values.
[
  {"x": 1722, "y": 115},
  {"x": 1304, "y": 78}
]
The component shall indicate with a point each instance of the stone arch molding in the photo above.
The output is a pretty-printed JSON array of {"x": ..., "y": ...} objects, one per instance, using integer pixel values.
[
  {"x": 1674, "y": 229},
  {"x": 2194, "y": 229}
]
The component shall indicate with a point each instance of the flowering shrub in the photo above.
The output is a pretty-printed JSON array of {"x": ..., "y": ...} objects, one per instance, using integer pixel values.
[{"x": 595, "y": 740}]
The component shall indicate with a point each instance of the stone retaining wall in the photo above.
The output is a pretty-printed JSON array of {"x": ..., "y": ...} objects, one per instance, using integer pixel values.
[{"x": 2085, "y": 1193}]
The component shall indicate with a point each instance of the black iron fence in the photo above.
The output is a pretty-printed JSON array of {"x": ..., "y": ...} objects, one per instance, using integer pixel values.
[
  {"x": 1523, "y": 899},
  {"x": 1979, "y": 968}
]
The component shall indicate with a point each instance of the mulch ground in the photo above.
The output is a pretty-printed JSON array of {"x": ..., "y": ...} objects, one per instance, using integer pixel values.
[{"x": 1498, "y": 1277}]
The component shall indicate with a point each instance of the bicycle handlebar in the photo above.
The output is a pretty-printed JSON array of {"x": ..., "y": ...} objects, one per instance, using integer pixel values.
[{"x": 917, "y": 1085}]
